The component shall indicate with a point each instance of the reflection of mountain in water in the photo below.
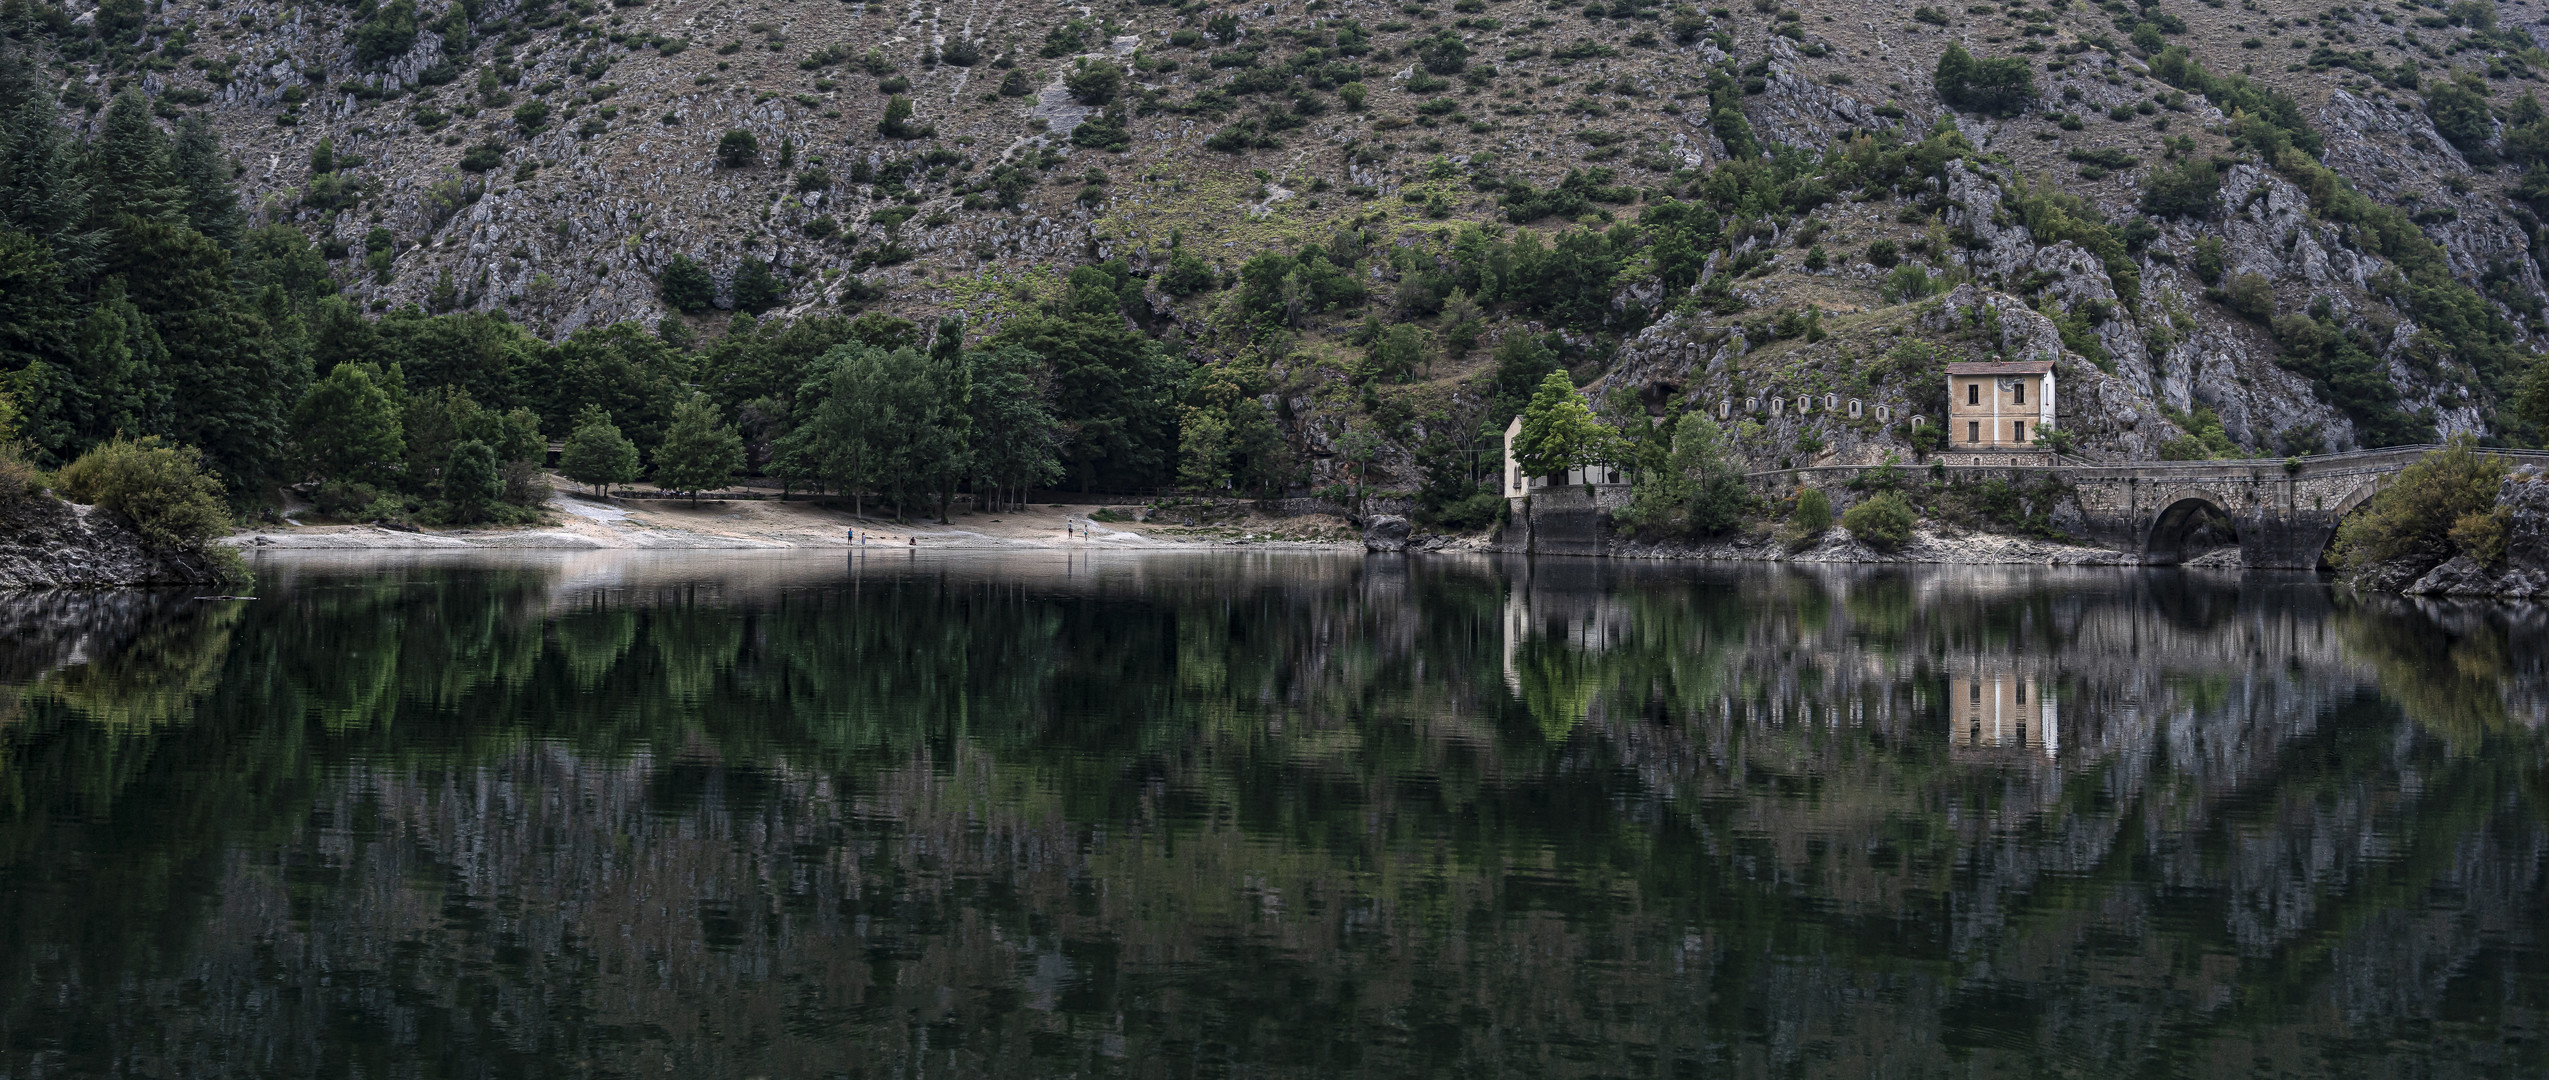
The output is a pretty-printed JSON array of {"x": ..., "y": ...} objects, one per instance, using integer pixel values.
[{"x": 1317, "y": 816}]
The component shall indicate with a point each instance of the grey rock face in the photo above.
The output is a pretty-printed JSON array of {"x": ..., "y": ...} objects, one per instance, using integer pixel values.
[
  {"x": 2526, "y": 496},
  {"x": 52, "y": 544},
  {"x": 1386, "y": 533},
  {"x": 2464, "y": 576}
]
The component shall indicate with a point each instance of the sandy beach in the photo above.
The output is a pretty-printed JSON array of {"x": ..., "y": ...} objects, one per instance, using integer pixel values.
[{"x": 580, "y": 521}]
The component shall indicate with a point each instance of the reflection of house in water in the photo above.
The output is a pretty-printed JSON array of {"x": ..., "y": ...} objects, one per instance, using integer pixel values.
[
  {"x": 1998, "y": 710},
  {"x": 1581, "y": 621}
]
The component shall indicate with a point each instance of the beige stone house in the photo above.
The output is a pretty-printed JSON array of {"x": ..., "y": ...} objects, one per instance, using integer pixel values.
[{"x": 1998, "y": 405}]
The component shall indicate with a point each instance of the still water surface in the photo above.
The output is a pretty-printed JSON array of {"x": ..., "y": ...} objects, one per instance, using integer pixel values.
[{"x": 1270, "y": 815}]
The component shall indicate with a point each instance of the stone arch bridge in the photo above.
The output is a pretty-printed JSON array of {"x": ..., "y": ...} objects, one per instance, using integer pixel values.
[{"x": 2281, "y": 512}]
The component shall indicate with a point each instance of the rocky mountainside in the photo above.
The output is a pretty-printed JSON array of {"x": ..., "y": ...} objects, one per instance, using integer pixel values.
[{"x": 2251, "y": 228}]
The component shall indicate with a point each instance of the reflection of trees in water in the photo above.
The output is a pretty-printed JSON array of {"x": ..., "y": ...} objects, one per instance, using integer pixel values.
[
  {"x": 125, "y": 660},
  {"x": 1300, "y": 820}
]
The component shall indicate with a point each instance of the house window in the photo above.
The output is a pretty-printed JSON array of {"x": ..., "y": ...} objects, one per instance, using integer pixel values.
[
  {"x": 2018, "y": 431},
  {"x": 1973, "y": 431},
  {"x": 1973, "y": 393},
  {"x": 2022, "y": 393}
]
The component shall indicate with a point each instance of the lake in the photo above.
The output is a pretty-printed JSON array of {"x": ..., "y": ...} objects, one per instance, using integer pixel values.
[{"x": 1267, "y": 815}]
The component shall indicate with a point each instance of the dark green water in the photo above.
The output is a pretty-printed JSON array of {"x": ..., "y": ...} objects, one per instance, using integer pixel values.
[{"x": 1267, "y": 816}]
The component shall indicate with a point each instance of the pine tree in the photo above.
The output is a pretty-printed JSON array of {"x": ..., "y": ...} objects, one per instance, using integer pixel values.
[
  {"x": 596, "y": 453},
  {"x": 233, "y": 388},
  {"x": 131, "y": 168},
  {"x": 211, "y": 204},
  {"x": 43, "y": 193},
  {"x": 700, "y": 451},
  {"x": 35, "y": 339},
  {"x": 120, "y": 366}
]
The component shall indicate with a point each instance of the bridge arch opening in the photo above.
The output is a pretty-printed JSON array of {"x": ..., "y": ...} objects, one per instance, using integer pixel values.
[
  {"x": 2344, "y": 509},
  {"x": 2189, "y": 528}
]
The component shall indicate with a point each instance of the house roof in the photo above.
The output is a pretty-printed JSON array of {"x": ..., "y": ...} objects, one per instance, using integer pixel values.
[{"x": 2010, "y": 367}]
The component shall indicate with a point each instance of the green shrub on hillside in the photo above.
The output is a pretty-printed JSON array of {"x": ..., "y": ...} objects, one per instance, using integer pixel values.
[
  {"x": 685, "y": 286},
  {"x": 159, "y": 486},
  {"x": 1882, "y": 521},
  {"x": 2191, "y": 190},
  {"x": 1811, "y": 518},
  {"x": 2443, "y": 505},
  {"x": 737, "y": 149},
  {"x": 2000, "y": 87}
]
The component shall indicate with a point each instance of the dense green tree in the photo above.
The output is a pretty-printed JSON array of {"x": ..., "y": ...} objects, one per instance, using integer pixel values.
[
  {"x": 43, "y": 190},
  {"x": 1396, "y": 354},
  {"x": 1187, "y": 275},
  {"x": 1444, "y": 53},
  {"x": 388, "y": 34},
  {"x": 1523, "y": 362},
  {"x": 2191, "y": 190},
  {"x": 472, "y": 483},
  {"x": 1094, "y": 82},
  {"x": 846, "y": 432},
  {"x": 230, "y": 382},
  {"x": 36, "y": 316},
  {"x": 119, "y": 365},
  {"x": 938, "y": 432},
  {"x": 596, "y": 453},
  {"x": 348, "y": 427},
  {"x": 756, "y": 369},
  {"x": 1016, "y": 442},
  {"x": 203, "y": 177},
  {"x": 897, "y": 122},
  {"x": 2460, "y": 114},
  {"x": 756, "y": 288},
  {"x": 130, "y": 169},
  {"x": 1113, "y": 392},
  {"x": 686, "y": 287},
  {"x": 339, "y": 333},
  {"x": 433, "y": 420},
  {"x": 1558, "y": 430},
  {"x": 737, "y": 148},
  {"x": 629, "y": 373},
  {"x": 484, "y": 353},
  {"x": 701, "y": 451},
  {"x": 1998, "y": 87},
  {"x": 1569, "y": 282},
  {"x": 278, "y": 255}
]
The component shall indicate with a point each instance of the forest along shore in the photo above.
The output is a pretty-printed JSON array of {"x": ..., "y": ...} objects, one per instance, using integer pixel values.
[{"x": 583, "y": 522}]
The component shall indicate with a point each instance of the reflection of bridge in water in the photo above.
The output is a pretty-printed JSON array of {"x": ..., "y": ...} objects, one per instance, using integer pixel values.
[{"x": 2097, "y": 726}]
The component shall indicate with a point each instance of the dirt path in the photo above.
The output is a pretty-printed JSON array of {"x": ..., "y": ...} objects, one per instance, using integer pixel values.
[{"x": 581, "y": 522}]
